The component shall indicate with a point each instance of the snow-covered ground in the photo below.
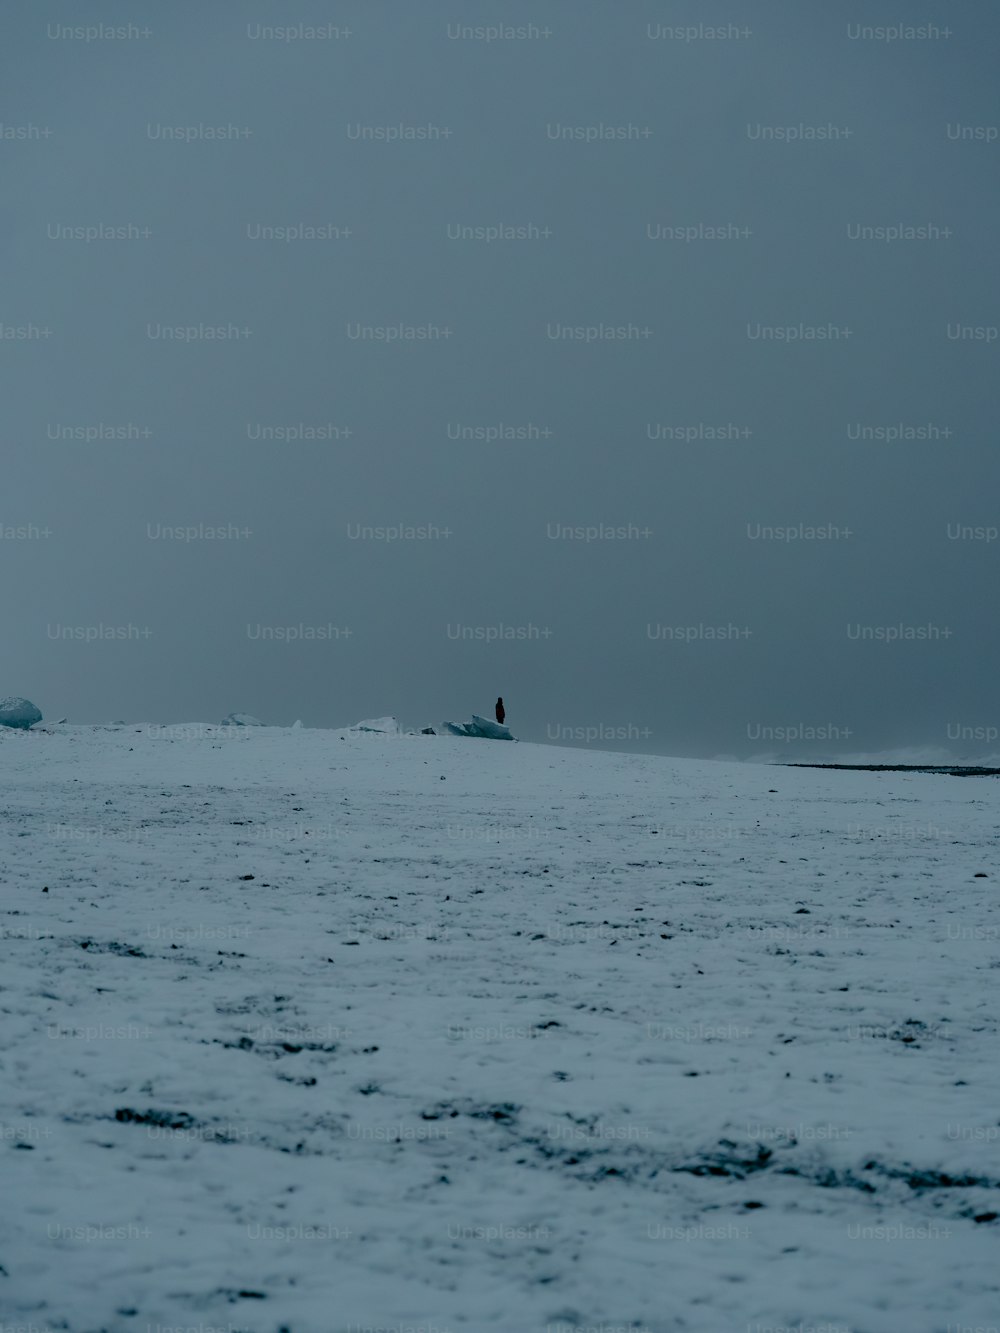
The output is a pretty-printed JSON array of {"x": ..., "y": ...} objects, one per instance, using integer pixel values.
[{"x": 320, "y": 1031}]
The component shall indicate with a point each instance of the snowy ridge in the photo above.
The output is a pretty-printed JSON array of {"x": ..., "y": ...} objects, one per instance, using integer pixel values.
[{"x": 315, "y": 1033}]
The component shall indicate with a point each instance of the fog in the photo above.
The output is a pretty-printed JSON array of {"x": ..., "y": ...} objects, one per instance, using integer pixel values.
[{"x": 638, "y": 366}]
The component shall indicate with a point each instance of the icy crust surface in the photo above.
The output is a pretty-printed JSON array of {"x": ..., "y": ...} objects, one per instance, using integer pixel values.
[{"x": 296, "y": 1034}]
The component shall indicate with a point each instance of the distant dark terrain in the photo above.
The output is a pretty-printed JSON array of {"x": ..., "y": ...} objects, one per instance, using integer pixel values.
[{"x": 954, "y": 770}]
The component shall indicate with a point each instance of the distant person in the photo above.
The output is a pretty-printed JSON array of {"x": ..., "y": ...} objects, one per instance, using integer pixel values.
[{"x": 500, "y": 713}]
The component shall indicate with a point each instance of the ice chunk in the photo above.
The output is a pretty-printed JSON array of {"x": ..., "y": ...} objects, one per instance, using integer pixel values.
[
  {"x": 241, "y": 720},
  {"x": 380, "y": 726},
  {"x": 479, "y": 727},
  {"x": 15, "y": 712},
  {"x": 493, "y": 731}
]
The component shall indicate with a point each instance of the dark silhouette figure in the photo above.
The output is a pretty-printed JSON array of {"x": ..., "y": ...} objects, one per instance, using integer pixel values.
[{"x": 500, "y": 713}]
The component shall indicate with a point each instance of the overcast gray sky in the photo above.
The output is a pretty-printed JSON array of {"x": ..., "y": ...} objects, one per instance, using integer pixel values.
[{"x": 688, "y": 243}]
